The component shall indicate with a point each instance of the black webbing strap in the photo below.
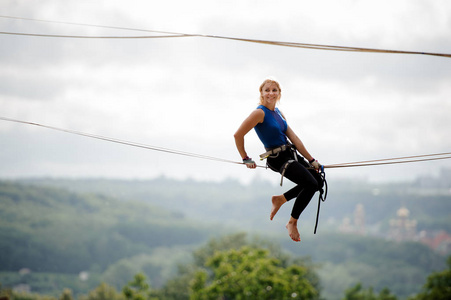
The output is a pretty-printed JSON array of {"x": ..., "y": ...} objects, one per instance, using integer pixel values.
[{"x": 322, "y": 192}]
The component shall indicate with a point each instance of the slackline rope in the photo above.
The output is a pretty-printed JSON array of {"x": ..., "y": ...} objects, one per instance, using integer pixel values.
[
  {"x": 128, "y": 143},
  {"x": 386, "y": 161},
  {"x": 94, "y": 37},
  {"x": 175, "y": 34},
  {"x": 397, "y": 160}
]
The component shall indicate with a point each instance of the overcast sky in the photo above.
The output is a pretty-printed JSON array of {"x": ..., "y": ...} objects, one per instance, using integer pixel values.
[{"x": 192, "y": 93}]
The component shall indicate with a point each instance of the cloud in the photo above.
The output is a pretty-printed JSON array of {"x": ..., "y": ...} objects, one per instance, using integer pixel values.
[{"x": 192, "y": 93}]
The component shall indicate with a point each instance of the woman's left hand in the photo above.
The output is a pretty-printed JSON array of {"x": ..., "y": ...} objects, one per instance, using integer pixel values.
[{"x": 316, "y": 164}]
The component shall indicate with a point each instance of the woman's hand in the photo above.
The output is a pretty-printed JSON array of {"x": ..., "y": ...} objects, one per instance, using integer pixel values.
[
  {"x": 316, "y": 164},
  {"x": 249, "y": 163}
]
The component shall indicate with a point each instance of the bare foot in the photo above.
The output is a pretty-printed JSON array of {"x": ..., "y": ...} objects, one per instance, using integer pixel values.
[
  {"x": 277, "y": 202},
  {"x": 292, "y": 227}
]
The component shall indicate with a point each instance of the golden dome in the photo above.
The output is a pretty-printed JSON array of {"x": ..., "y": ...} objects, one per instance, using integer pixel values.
[{"x": 403, "y": 212}]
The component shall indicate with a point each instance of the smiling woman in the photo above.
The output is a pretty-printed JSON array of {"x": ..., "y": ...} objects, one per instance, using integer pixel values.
[{"x": 281, "y": 144}]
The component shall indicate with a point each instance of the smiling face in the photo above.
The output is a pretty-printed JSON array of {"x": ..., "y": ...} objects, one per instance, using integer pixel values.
[{"x": 270, "y": 93}]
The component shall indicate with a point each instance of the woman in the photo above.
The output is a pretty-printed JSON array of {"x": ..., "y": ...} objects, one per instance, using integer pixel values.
[{"x": 275, "y": 134}]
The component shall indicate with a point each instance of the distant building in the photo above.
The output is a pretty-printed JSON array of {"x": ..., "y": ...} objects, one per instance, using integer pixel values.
[
  {"x": 346, "y": 225},
  {"x": 439, "y": 241},
  {"x": 357, "y": 223},
  {"x": 359, "y": 219},
  {"x": 402, "y": 228}
]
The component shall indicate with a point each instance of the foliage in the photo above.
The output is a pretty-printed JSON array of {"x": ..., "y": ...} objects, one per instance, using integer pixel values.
[
  {"x": 358, "y": 293},
  {"x": 179, "y": 286},
  {"x": 52, "y": 230},
  {"x": 67, "y": 295},
  {"x": 247, "y": 273},
  {"x": 25, "y": 296},
  {"x": 437, "y": 286},
  {"x": 138, "y": 289},
  {"x": 50, "y": 283},
  {"x": 250, "y": 273},
  {"x": 348, "y": 259},
  {"x": 8, "y": 294},
  {"x": 103, "y": 292},
  {"x": 57, "y": 233},
  {"x": 430, "y": 205}
]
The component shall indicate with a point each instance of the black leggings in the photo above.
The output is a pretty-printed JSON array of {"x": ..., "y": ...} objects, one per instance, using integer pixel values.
[{"x": 308, "y": 180}]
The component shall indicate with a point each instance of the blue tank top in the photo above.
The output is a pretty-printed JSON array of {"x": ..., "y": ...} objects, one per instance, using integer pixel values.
[{"x": 273, "y": 128}]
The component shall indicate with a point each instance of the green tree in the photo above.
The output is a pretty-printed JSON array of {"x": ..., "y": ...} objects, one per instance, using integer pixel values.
[
  {"x": 139, "y": 289},
  {"x": 437, "y": 286},
  {"x": 251, "y": 273},
  {"x": 358, "y": 293},
  {"x": 103, "y": 292},
  {"x": 22, "y": 296},
  {"x": 180, "y": 286},
  {"x": 5, "y": 293},
  {"x": 66, "y": 295}
]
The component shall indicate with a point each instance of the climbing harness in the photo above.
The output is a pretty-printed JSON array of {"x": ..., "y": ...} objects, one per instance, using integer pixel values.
[
  {"x": 320, "y": 175},
  {"x": 275, "y": 151}
]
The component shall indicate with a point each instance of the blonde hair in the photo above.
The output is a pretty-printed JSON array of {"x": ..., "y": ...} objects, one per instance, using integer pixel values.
[{"x": 269, "y": 80}]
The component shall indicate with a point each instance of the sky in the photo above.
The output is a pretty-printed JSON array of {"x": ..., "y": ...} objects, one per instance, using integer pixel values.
[{"x": 192, "y": 93}]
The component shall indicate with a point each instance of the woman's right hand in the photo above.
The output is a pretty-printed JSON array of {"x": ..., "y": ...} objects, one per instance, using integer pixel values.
[{"x": 249, "y": 163}]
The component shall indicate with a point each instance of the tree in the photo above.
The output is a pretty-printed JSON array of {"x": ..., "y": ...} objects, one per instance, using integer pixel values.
[
  {"x": 137, "y": 289},
  {"x": 358, "y": 293},
  {"x": 180, "y": 287},
  {"x": 103, "y": 292},
  {"x": 66, "y": 295},
  {"x": 437, "y": 286},
  {"x": 251, "y": 273}
]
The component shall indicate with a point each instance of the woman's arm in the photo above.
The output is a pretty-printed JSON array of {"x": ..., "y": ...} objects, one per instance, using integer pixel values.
[
  {"x": 257, "y": 116},
  {"x": 296, "y": 141}
]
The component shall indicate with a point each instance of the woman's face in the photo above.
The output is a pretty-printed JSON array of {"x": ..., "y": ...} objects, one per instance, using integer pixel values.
[{"x": 270, "y": 93}]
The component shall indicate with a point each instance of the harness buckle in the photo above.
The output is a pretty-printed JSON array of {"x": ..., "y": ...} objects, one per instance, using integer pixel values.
[{"x": 275, "y": 151}]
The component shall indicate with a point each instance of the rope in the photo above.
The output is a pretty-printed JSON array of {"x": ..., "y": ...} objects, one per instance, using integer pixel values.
[
  {"x": 176, "y": 34},
  {"x": 391, "y": 161},
  {"x": 94, "y": 37},
  {"x": 386, "y": 161},
  {"x": 128, "y": 143}
]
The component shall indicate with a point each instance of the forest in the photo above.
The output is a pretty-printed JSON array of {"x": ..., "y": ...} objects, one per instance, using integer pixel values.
[{"x": 82, "y": 235}]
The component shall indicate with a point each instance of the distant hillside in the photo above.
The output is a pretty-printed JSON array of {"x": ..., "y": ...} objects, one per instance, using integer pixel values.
[
  {"x": 53, "y": 230},
  {"x": 428, "y": 199},
  {"x": 114, "y": 228}
]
